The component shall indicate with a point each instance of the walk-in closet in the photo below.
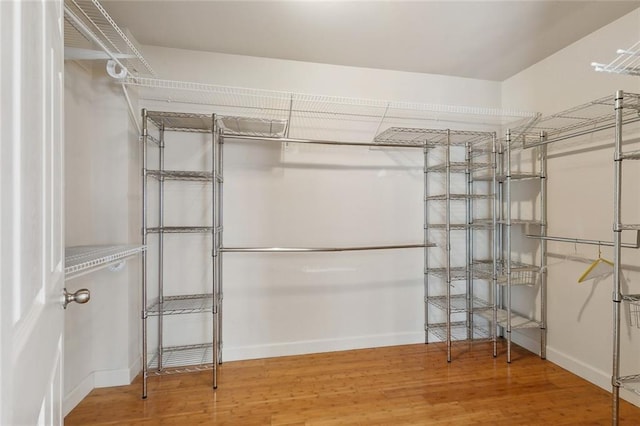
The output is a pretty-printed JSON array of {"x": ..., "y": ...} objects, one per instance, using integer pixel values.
[{"x": 320, "y": 212}]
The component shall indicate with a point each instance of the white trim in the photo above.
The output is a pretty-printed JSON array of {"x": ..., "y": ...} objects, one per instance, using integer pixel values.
[
  {"x": 99, "y": 379},
  {"x": 319, "y": 346},
  {"x": 73, "y": 398},
  {"x": 598, "y": 377}
]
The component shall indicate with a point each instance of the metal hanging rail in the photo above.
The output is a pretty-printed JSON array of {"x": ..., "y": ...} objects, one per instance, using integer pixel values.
[
  {"x": 324, "y": 142},
  {"x": 635, "y": 245},
  {"x": 318, "y": 249}
]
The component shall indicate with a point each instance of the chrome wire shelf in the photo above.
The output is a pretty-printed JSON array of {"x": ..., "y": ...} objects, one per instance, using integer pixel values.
[
  {"x": 630, "y": 383},
  {"x": 181, "y": 121},
  {"x": 80, "y": 260},
  {"x": 187, "y": 304},
  {"x": 180, "y": 229},
  {"x": 630, "y": 227},
  {"x": 503, "y": 178},
  {"x": 459, "y": 331},
  {"x": 183, "y": 359},
  {"x": 88, "y": 27},
  {"x": 477, "y": 224},
  {"x": 583, "y": 119},
  {"x": 458, "y": 273},
  {"x": 458, "y": 303},
  {"x": 458, "y": 167},
  {"x": 517, "y": 321},
  {"x": 434, "y": 137},
  {"x": 246, "y": 126},
  {"x": 443, "y": 197},
  {"x": 181, "y": 175}
]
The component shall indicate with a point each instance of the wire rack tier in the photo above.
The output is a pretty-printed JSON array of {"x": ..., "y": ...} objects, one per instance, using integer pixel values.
[
  {"x": 444, "y": 197},
  {"x": 630, "y": 383},
  {"x": 503, "y": 178},
  {"x": 458, "y": 303},
  {"x": 583, "y": 119},
  {"x": 80, "y": 260},
  {"x": 458, "y": 167},
  {"x": 459, "y": 331},
  {"x": 183, "y": 359},
  {"x": 434, "y": 137},
  {"x": 180, "y": 229},
  {"x": 517, "y": 321},
  {"x": 186, "y": 304},
  {"x": 181, "y": 175}
]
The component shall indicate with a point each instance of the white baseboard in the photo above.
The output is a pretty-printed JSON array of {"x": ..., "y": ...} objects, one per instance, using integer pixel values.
[
  {"x": 74, "y": 397},
  {"x": 598, "y": 377},
  {"x": 99, "y": 379},
  {"x": 319, "y": 346}
]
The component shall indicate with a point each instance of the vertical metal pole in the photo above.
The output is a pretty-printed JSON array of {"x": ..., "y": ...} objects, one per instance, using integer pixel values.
[
  {"x": 220, "y": 242},
  {"x": 500, "y": 233},
  {"x": 448, "y": 239},
  {"x": 160, "y": 247},
  {"x": 495, "y": 251},
  {"x": 617, "y": 257},
  {"x": 508, "y": 242},
  {"x": 543, "y": 251},
  {"x": 214, "y": 249},
  {"x": 286, "y": 131},
  {"x": 144, "y": 254},
  {"x": 468, "y": 240},
  {"x": 426, "y": 249}
]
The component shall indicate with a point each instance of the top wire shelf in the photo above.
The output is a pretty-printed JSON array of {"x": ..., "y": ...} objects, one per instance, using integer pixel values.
[
  {"x": 584, "y": 119},
  {"x": 321, "y": 117},
  {"x": 89, "y": 29},
  {"x": 435, "y": 137},
  {"x": 81, "y": 260}
]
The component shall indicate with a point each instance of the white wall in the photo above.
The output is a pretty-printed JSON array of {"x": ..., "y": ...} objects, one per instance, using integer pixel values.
[
  {"x": 101, "y": 207},
  {"x": 580, "y": 203}
]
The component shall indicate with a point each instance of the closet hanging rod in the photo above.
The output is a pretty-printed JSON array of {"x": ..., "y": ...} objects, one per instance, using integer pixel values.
[
  {"x": 323, "y": 142},
  {"x": 319, "y": 249},
  {"x": 576, "y": 134},
  {"x": 636, "y": 245}
]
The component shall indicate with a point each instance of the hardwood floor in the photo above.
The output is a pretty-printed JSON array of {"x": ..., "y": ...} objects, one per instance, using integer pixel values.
[{"x": 401, "y": 385}]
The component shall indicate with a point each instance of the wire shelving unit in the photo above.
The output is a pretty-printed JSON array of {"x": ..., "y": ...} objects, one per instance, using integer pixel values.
[
  {"x": 445, "y": 298},
  {"x": 196, "y": 357},
  {"x": 613, "y": 113}
]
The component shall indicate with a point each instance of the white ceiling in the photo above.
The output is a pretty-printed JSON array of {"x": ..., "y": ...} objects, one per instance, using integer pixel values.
[{"x": 490, "y": 40}]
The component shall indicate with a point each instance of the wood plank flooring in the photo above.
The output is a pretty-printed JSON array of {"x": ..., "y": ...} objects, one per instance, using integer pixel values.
[{"x": 400, "y": 385}]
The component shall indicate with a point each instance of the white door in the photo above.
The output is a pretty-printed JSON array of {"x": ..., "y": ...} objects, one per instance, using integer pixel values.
[{"x": 31, "y": 197}]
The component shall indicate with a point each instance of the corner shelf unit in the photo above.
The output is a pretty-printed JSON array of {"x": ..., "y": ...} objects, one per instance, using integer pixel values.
[
  {"x": 165, "y": 359},
  {"x": 607, "y": 113},
  {"x": 451, "y": 308}
]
